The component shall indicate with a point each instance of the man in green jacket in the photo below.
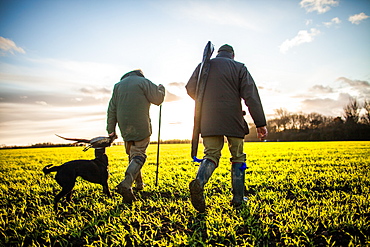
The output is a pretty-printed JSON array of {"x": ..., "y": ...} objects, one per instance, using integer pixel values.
[
  {"x": 129, "y": 107},
  {"x": 228, "y": 83}
]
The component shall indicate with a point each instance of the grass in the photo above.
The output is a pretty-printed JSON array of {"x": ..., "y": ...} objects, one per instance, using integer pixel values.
[{"x": 299, "y": 194}]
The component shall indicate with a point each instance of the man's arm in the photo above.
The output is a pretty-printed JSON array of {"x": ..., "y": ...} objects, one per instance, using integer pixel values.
[
  {"x": 191, "y": 87},
  {"x": 249, "y": 92},
  {"x": 155, "y": 94}
]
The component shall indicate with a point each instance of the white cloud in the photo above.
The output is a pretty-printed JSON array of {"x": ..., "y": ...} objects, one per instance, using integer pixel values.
[
  {"x": 309, "y": 22},
  {"x": 327, "y": 106},
  {"x": 41, "y": 103},
  {"x": 303, "y": 36},
  {"x": 7, "y": 45},
  {"x": 321, "y": 89},
  {"x": 358, "y": 88},
  {"x": 321, "y": 6},
  {"x": 357, "y": 19},
  {"x": 333, "y": 21}
]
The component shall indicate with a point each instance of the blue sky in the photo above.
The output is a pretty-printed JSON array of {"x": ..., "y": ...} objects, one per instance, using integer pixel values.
[{"x": 59, "y": 60}]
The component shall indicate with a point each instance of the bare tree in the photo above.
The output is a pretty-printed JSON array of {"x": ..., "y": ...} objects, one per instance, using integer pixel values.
[
  {"x": 315, "y": 120},
  {"x": 366, "y": 115},
  {"x": 283, "y": 119},
  {"x": 302, "y": 121},
  {"x": 352, "y": 112}
]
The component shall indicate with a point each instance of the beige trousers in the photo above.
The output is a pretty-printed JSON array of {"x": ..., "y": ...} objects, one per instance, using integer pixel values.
[
  {"x": 214, "y": 144},
  {"x": 133, "y": 149},
  {"x": 137, "y": 148}
]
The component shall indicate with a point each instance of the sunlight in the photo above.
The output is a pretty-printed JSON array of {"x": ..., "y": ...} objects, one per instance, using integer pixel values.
[{"x": 177, "y": 120}]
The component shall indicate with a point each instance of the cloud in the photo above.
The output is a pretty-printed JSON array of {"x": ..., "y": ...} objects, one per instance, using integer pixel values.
[
  {"x": 53, "y": 98},
  {"x": 175, "y": 91},
  {"x": 356, "y": 83},
  {"x": 330, "y": 100},
  {"x": 170, "y": 97},
  {"x": 41, "y": 103},
  {"x": 333, "y": 21},
  {"x": 94, "y": 90},
  {"x": 321, "y": 6},
  {"x": 357, "y": 19},
  {"x": 303, "y": 36},
  {"x": 39, "y": 123},
  {"x": 361, "y": 88},
  {"x": 320, "y": 89},
  {"x": 7, "y": 45},
  {"x": 326, "y": 106},
  {"x": 309, "y": 22},
  {"x": 177, "y": 84}
]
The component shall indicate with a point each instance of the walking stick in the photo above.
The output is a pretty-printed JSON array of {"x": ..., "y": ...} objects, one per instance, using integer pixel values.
[{"x": 159, "y": 140}]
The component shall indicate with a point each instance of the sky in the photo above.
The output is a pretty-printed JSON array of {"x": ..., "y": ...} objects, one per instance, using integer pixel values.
[{"x": 60, "y": 59}]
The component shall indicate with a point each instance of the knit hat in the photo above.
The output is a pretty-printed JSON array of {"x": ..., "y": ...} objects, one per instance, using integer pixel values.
[{"x": 227, "y": 48}]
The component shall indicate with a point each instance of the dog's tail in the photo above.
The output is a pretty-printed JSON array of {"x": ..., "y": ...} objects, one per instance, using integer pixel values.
[{"x": 47, "y": 170}]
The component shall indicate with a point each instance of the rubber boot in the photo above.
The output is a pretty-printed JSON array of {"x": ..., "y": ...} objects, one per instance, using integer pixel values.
[
  {"x": 196, "y": 186},
  {"x": 139, "y": 182},
  {"x": 124, "y": 188},
  {"x": 237, "y": 180}
]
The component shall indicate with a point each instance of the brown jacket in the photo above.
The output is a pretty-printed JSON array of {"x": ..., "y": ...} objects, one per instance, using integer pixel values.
[{"x": 228, "y": 82}]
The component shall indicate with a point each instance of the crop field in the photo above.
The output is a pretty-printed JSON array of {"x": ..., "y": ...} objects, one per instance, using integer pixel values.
[{"x": 299, "y": 194}]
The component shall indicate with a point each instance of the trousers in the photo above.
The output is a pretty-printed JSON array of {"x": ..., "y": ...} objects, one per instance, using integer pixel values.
[{"x": 214, "y": 144}]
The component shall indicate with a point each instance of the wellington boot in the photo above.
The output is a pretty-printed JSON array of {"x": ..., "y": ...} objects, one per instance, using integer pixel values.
[
  {"x": 196, "y": 196},
  {"x": 196, "y": 186},
  {"x": 133, "y": 170},
  {"x": 126, "y": 193},
  {"x": 237, "y": 180},
  {"x": 139, "y": 185}
]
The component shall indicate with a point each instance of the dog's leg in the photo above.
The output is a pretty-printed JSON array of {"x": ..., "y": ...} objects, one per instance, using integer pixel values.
[
  {"x": 61, "y": 194},
  {"x": 69, "y": 196},
  {"x": 106, "y": 190}
]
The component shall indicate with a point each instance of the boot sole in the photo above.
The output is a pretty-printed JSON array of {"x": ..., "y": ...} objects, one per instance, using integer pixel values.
[
  {"x": 196, "y": 196},
  {"x": 128, "y": 196}
]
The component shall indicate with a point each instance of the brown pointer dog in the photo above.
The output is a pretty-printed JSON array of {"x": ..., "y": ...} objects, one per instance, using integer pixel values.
[{"x": 95, "y": 171}]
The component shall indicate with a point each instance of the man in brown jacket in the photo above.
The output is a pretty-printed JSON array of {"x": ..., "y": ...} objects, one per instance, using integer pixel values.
[{"x": 228, "y": 82}]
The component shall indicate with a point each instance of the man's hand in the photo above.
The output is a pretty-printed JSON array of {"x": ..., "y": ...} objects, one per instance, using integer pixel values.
[
  {"x": 262, "y": 133},
  {"x": 113, "y": 134},
  {"x": 161, "y": 88}
]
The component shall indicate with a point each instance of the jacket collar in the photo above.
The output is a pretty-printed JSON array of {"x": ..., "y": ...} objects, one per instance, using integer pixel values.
[
  {"x": 134, "y": 73},
  {"x": 225, "y": 54}
]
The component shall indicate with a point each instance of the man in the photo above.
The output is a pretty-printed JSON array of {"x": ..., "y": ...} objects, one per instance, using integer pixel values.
[
  {"x": 228, "y": 82},
  {"x": 129, "y": 107}
]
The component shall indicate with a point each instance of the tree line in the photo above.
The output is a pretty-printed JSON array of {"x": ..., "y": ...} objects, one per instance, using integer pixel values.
[{"x": 354, "y": 124}]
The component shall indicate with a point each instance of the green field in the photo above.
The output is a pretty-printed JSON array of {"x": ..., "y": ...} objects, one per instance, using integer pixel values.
[{"x": 299, "y": 194}]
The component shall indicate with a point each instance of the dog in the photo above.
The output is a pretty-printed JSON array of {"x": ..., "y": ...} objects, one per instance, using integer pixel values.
[{"x": 95, "y": 171}]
